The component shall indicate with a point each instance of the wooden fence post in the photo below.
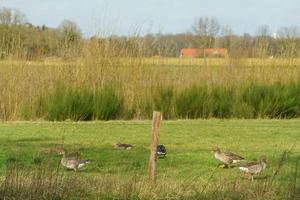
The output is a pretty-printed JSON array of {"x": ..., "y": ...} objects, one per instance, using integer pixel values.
[{"x": 154, "y": 141}]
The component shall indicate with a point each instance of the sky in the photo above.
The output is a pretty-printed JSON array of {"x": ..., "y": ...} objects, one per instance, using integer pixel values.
[{"x": 125, "y": 17}]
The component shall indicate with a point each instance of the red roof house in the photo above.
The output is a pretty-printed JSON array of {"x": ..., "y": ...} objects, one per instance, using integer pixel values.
[{"x": 198, "y": 53}]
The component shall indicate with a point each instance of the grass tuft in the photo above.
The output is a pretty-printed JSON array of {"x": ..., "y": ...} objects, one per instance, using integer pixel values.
[
  {"x": 193, "y": 103},
  {"x": 83, "y": 104},
  {"x": 163, "y": 101},
  {"x": 107, "y": 104}
]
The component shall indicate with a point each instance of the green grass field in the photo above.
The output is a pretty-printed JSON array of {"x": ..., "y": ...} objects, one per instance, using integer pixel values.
[{"x": 189, "y": 145}]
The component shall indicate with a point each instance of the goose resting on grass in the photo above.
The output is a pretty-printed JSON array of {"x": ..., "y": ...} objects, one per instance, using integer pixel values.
[
  {"x": 254, "y": 167},
  {"x": 161, "y": 151},
  {"x": 123, "y": 146},
  {"x": 72, "y": 161},
  {"x": 227, "y": 158}
]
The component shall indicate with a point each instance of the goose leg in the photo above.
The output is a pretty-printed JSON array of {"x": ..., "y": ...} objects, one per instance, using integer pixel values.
[{"x": 222, "y": 165}]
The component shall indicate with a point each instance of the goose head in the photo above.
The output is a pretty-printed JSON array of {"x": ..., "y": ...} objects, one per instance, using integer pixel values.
[
  {"x": 263, "y": 159},
  {"x": 61, "y": 151},
  {"x": 216, "y": 150}
]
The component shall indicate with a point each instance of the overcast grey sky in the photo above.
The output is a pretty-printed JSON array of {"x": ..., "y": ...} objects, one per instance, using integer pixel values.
[{"x": 166, "y": 16}]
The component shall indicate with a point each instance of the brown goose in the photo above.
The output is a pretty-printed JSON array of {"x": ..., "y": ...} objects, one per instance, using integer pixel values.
[
  {"x": 123, "y": 146},
  {"x": 227, "y": 158},
  {"x": 254, "y": 167},
  {"x": 72, "y": 161}
]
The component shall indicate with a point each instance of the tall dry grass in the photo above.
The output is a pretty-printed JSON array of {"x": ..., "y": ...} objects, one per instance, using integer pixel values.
[{"x": 27, "y": 87}]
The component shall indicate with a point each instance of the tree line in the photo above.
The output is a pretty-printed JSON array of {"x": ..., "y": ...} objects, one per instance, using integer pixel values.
[{"x": 20, "y": 39}]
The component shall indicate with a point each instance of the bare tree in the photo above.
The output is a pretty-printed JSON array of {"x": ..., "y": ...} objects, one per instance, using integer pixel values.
[
  {"x": 263, "y": 42},
  {"x": 207, "y": 29},
  {"x": 226, "y": 31},
  {"x": 9, "y": 16},
  {"x": 69, "y": 27},
  {"x": 226, "y": 37},
  {"x": 263, "y": 31},
  {"x": 18, "y": 17},
  {"x": 289, "y": 41},
  {"x": 5, "y": 16},
  {"x": 205, "y": 26},
  {"x": 288, "y": 32},
  {"x": 70, "y": 37}
]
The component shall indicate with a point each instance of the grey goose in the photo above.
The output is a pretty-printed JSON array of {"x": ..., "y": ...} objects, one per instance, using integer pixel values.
[
  {"x": 227, "y": 158},
  {"x": 73, "y": 160},
  {"x": 253, "y": 168}
]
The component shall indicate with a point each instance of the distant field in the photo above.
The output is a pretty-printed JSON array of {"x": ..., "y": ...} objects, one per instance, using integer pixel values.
[
  {"x": 164, "y": 61},
  {"x": 189, "y": 160}
]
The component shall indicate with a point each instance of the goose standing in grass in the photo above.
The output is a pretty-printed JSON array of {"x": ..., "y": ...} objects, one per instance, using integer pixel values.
[
  {"x": 72, "y": 161},
  {"x": 227, "y": 158},
  {"x": 161, "y": 151},
  {"x": 254, "y": 167},
  {"x": 124, "y": 146}
]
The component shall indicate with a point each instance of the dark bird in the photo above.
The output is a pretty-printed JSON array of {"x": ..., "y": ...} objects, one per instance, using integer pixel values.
[
  {"x": 161, "y": 151},
  {"x": 124, "y": 146}
]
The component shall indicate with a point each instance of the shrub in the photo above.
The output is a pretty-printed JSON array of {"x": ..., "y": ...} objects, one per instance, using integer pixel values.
[
  {"x": 221, "y": 102},
  {"x": 254, "y": 100},
  {"x": 72, "y": 104},
  {"x": 106, "y": 104},
  {"x": 163, "y": 100},
  {"x": 193, "y": 103},
  {"x": 274, "y": 101},
  {"x": 83, "y": 104}
]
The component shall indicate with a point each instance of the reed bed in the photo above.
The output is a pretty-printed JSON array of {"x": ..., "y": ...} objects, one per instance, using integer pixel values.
[{"x": 29, "y": 89}]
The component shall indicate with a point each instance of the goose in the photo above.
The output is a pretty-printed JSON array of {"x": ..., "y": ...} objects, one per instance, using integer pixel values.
[
  {"x": 72, "y": 161},
  {"x": 227, "y": 158},
  {"x": 254, "y": 167},
  {"x": 52, "y": 150},
  {"x": 161, "y": 151},
  {"x": 123, "y": 146}
]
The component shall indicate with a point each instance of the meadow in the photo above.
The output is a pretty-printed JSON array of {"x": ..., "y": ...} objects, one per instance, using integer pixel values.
[{"x": 29, "y": 165}]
